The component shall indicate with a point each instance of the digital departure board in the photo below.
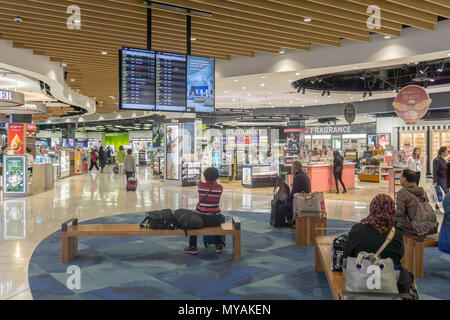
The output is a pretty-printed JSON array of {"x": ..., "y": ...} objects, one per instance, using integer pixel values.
[
  {"x": 170, "y": 81},
  {"x": 137, "y": 81},
  {"x": 161, "y": 81}
]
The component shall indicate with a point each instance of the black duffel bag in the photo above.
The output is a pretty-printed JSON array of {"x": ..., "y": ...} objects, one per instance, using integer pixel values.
[
  {"x": 187, "y": 220},
  {"x": 159, "y": 219}
]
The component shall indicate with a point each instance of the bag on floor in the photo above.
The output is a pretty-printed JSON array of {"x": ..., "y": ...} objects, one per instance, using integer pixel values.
[
  {"x": 187, "y": 220},
  {"x": 444, "y": 235},
  {"x": 132, "y": 184},
  {"x": 359, "y": 272},
  {"x": 436, "y": 195},
  {"x": 309, "y": 204},
  {"x": 425, "y": 221},
  {"x": 337, "y": 252},
  {"x": 209, "y": 240},
  {"x": 159, "y": 220},
  {"x": 116, "y": 169}
]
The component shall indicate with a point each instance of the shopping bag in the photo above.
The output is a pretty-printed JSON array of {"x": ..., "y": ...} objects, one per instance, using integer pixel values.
[
  {"x": 309, "y": 204},
  {"x": 436, "y": 195},
  {"x": 444, "y": 236}
]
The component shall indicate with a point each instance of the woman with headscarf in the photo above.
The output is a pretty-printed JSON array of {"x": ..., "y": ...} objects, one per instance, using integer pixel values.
[{"x": 370, "y": 234}]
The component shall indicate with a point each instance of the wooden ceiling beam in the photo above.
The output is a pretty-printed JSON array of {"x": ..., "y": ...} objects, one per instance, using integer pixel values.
[
  {"x": 400, "y": 10},
  {"x": 302, "y": 9},
  {"x": 432, "y": 8},
  {"x": 444, "y": 3}
]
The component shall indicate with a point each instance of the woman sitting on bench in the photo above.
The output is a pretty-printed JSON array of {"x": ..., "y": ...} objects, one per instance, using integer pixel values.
[
  {"x": 371, "y": 233},
  {"x": 209, "y": 194}
]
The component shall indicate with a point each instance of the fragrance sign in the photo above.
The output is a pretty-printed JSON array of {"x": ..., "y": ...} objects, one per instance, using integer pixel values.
[{"x": 412, "y": 103}]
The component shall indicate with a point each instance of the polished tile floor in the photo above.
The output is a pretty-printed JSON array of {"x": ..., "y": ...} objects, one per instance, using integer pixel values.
[{"x": 25, "y": 222}]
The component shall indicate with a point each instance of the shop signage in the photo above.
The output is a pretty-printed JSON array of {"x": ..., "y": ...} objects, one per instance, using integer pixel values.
[
  {"x": 11, "y": 98},
  {"x": 411, "y": 103},
  {"x": 35, "y": 107},
  {"x": 350, "y": 112},
  {"x": 16, "y": 137},
  {"x": 360, "y": 128}
]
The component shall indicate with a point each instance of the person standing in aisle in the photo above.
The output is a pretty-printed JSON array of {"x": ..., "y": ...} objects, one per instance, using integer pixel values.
[
  {"x": 415, "y": 164},
  {"x": 102, "y": 158},
  {"x": 94, "y": 157},
  {"x": 120, "y": 158},
  {"x": 130, "y": 164},
  {"x": 440, "y": 170},
  {"x": 338, "y": 167}
]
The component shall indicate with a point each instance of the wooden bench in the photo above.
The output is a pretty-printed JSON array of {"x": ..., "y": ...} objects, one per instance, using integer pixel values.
[
  {"x": 70, "y": 234},
  {"x": 305, "y": 229},
  {"x": 414, "y": 251},
  {"x": 322, "y": 263}
]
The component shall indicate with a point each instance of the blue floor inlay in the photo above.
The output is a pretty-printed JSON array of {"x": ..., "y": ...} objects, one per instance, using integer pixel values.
[{"x": 272, "y": 267}]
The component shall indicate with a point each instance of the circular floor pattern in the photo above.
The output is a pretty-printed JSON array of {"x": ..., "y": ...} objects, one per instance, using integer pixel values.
[{"x": 272, "y": 267}]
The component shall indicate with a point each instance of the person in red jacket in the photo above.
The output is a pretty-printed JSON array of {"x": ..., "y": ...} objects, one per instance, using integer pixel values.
[
  {"x": 209, "y": 194},
  {"x": 93, "y": 160}
]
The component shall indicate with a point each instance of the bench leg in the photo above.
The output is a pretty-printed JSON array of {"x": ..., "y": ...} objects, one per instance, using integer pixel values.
[
  {"x": 318, "y": 267},
  {"x": 413, "y": 256},
  {"x": 237, "y": 244},
  {"x": 298, "y": 239},
  {"x": 69, "y": 248}
]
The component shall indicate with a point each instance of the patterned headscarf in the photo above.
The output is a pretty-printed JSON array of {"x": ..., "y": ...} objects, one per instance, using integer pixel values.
[{"x": 381, "y": 216}]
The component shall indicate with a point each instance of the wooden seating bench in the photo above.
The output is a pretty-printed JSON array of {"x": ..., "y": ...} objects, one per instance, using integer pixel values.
[
  {"x": 322, "y": 263},
  {"x": 70, "y": 234},
  {"x": 305, "y": 229},
  {"x": 414, "y": 251}
]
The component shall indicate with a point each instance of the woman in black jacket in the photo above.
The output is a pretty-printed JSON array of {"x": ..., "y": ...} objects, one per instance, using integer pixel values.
[
  {"x": 338, "y": 167},
  {"x": 371, "y": 233},
  {"x": 440, "y": 170},
  {"x": 102, "y": 158}
]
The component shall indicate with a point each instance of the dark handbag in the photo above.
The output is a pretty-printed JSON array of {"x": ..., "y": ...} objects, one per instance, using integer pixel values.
[
  {"x": 337, "y": 252},
  {"x": 159, "y": 220}
]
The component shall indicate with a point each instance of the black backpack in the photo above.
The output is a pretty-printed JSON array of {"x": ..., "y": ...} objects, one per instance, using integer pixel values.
[
  {"x": 160, "y": 219},
  {"x": 187, "y": 220}
]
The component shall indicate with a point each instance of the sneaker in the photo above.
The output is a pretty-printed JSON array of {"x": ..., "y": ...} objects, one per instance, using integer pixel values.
[
  {"x": 191, "y": 250},
  {"x": 219, "y": 248}
]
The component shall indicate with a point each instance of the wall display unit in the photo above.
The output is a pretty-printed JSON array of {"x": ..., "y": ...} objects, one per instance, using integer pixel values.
[
  {"x": 15, "y": 175},
  {"x": 191, "y": 173},
  {"x": 406, "y": 142},
  {"x": 64, "y": 164},
  {"x": 172, "y": 142},
  {"x": 259, "y": 175},
  {"x": 142, "y": 158},
  {"x": 371, "y": 166},
  {"x": 164, "y": 81}
]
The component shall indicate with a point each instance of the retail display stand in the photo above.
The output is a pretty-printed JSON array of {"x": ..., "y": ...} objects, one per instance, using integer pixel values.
[
  {"x": 259, "y": 175},
  {"x": 191, "y": 173}
]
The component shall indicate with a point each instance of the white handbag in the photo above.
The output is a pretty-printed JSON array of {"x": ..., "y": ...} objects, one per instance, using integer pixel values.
[
  {"x": 368, "y": 273},
  {"x": 309, "y": 204}
]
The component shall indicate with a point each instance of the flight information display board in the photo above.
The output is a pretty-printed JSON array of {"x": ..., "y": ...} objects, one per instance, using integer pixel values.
[
  {"x": 170, "y": 81},
  {"x": 163, "y": 81},
  {"x": 137, "y": 80}
]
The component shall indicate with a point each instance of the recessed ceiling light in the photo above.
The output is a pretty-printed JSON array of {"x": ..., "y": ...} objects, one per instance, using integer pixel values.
[
  {"x": 351, "y": 98},
  {"x": 448, "y": 54},
  {"x": 282, "y": 50},
  {"x": 263, "y": 77},
  {"x": 387, "y": 36},
  {"x": 291, "y": 101},
  {"x": 72, "y": 79},
  {"x": 104, "y": 52},
  {"x": 262, "y": 84},
  {"x": 235, "y": 80},
  {"x": 234, "y": 100},
  {"x": 316, "y": 101},
  {"x": 355, "y": 67},
  {"x": 290, "y": 80},
  {"x": 243, "y": 88},
  {"x": 63, "y": 64},
  {"x": 297, "y": 73},
  {"x": 270, "y": 92},
  {"x": 249, "y": 94},
  {"x": 193, "y": 38},
  {"x": 307, "y": 19}
]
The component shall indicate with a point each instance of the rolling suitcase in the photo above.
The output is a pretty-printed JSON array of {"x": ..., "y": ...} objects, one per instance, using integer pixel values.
[
  {"x": 132, "y": 184},
  {"x": 209, "y": 240}
]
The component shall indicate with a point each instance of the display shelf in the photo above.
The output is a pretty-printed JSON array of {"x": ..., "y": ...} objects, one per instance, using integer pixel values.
[
  {"x": 190, "y": 173},
  {"x": 259, "y": 175},
  {"x": 406, "y": 142}
]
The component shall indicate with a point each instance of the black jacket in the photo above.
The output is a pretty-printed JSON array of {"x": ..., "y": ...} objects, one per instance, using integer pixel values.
[
  {"x": 300, "y": 184},
  {"x": 362, "y": 237},
  {"x": 338, "y": 164},
  {"x": 440, "y": 171}
]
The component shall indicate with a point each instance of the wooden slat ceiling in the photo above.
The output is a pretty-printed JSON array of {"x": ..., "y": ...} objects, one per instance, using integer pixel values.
[{"x": 237, "y": 28}]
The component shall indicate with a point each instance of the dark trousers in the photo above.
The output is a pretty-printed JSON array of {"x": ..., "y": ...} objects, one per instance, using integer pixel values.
[
  {"x": 338, "y": 177},
  {"x": 208, "y": 222},
  {"x": 285, "y": 213},
  {"x": 417, "y": 177},
  {"x": 102, "y": 164},
  {"x": 129, "y": 174},
  {"x": 93, "y": 164}
]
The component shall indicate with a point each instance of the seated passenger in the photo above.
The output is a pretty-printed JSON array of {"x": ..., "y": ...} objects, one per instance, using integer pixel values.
[
  {"x": 209, "y": 194},
  {"x": 406, "y": 204},
  {"x": 370, "y": 234},
  {"x": 300, "y": 184}
]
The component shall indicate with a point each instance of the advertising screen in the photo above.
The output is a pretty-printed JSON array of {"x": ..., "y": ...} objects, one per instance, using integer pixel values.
[
  {"x": 172, "y": 151},
  {"x": 16, "y": 137},
  {"x": 14, "y": 174},
  {"x": 200, "y": 84}
]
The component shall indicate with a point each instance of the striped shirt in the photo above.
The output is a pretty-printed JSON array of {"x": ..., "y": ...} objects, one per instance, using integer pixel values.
[{"x": 209, "y": 205}]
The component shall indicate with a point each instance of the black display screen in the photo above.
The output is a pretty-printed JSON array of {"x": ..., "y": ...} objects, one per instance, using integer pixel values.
[
  {"x": 170, "y": 81},
  {"x": 137, "y": 80}
]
